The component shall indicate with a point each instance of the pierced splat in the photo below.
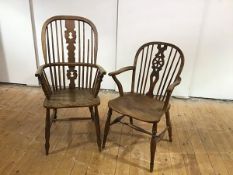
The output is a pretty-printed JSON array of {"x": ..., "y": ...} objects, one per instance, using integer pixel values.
[
  {"x": 70, "y": 35},
  {"x": 157, "y": 64},
  {"x": 72, "y": 75}
]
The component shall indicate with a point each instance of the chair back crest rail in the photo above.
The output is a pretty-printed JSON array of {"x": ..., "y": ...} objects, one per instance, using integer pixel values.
[
  {"x": 70, "y": 39},
  {"x": 157, "y": 65}
]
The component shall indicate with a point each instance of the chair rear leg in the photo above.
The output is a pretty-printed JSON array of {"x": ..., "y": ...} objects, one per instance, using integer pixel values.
[
  {"x": 97, "y": 127},
  {"x": 153, "y": 146},
  {"x": 107, "y": 126},
  {"x": 47, "y": 131},
  {"x": 55, "y": 114},
  {"x": 168, "y": 123},
  {"x": 92, "y": 113}
]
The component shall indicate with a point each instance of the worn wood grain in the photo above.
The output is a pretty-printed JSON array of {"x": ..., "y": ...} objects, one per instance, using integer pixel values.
[{"x": 73, "y": 144}]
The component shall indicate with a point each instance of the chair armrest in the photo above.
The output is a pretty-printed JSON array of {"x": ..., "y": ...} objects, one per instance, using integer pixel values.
[
  {"x": 121, "y": 70},
  {"x": 45, "y": 84},
  {"x": 42, "y": 67},
  {"x": 101, "y": 69},
  {"x": 174, "y": 84},
  {"x": 40, "y": 70},
  {"x": 43, "y": 81},
  {"x": 169, "y": 92},
  {"x": 117, "y": 72}
]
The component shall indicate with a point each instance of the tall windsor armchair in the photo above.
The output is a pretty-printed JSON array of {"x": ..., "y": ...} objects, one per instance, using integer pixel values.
[
  {"x": 70, "y": 77},
  {"x": 155, "y": 73}
]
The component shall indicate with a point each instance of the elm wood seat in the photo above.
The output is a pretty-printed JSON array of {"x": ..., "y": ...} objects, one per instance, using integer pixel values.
[
  {"x": 131, "y": 105},
  {"x": 72, "y": 98},
  {"x": 70, "y": 77},
  {"x": 155, "y": 74}
]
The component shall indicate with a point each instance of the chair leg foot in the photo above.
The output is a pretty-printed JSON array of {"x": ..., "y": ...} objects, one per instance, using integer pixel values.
[
  {"x": 151, "y": 167},
  {"x": 168, "y": 123},
  {"x": 131, "y": 120},
  {"x": 47, "y": 131},
  {"x": 47, "y": 149},
  {"x": 92, "y": 113},
  {"x": 97, "y": 127},
  {"x": 153, "y": 146},
  {"x": 107, "y": 126}
]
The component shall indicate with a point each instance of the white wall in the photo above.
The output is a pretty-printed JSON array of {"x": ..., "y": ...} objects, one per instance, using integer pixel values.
[
  {"x": 213, "y": 73},
  {"x": 17, "y": 58},
  {"x": 176, "y": 21},
  {"x": 102, "y": 13},
  {"x": 201, "y": 28}
]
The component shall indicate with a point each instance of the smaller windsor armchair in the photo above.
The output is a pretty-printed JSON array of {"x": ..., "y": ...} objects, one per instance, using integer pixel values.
[
  {"x": 155, "y": 73},
  {"x": 70, "y": 77}
]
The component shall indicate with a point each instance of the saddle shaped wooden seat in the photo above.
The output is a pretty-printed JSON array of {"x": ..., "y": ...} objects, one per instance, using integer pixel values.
[
  {"x": 72, "y": 98},
  {"x": 134, "y": 105}
]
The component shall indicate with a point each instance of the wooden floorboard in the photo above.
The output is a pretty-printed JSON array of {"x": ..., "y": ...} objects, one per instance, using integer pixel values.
[{"x": 202, "y": 139}]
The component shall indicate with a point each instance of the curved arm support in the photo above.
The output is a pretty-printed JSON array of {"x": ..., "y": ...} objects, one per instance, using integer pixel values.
[
  {"x": 174, "y": 84},
  {"x": 118, "y": 83},
  {"x": 169, "y": 92},
  {"x": 99, "y": 78},
  {"x": 43, "y": 81}
]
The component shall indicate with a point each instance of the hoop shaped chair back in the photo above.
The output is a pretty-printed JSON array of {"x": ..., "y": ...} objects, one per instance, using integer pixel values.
[
  {"x": 157, "y": 64},
  {"x": 70, "y": 39}
]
